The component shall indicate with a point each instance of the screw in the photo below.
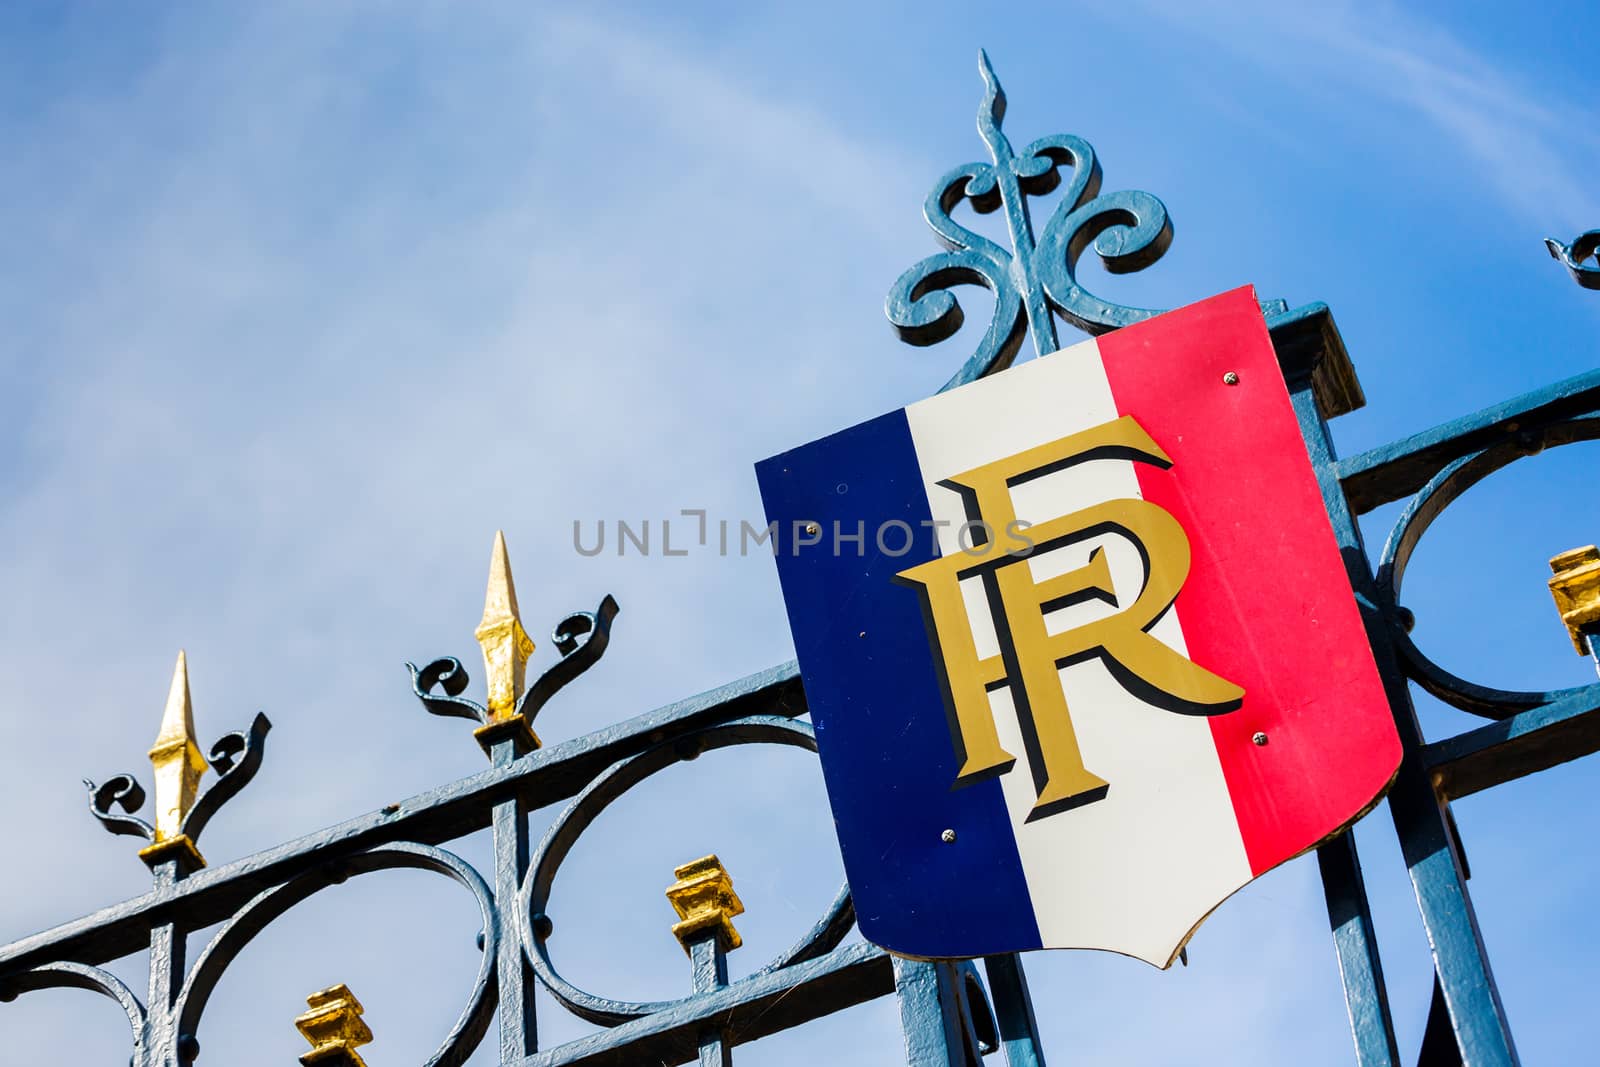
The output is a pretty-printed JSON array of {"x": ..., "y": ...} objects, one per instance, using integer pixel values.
[
  {"x": 1259, "y": 738},
  {"x": 1230, "y": 378},
  {"x": 948, "y": 837},
  {"x": 812, "y": 528},
  {"x": 863, "y": 633}
]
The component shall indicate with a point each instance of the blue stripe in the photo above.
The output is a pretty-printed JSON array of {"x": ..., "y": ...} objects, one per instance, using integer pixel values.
[{"x": 874, "y": 696}]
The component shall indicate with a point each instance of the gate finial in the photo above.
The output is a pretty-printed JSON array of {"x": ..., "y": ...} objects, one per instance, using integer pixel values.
[
  {"x": 1036, "y": 278},
  {"x": 511, "y": 704},
  {"x": 704, "y": 899},
  {"x": 1576, "y": 589},
  {"x": 506, "y": 645},
  {"x": 334, "y": 1027},
  {"x": 181, "y": 810},
  {"x": 1574, "y": 256},
  {"x": 178, "y": 765}
]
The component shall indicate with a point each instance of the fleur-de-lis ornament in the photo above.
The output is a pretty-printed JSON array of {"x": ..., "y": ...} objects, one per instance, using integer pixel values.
[
  {"x": 1038, "y": 277},
  {"x": 511, "y": 705},
  {"x": 181, "y": 809}
]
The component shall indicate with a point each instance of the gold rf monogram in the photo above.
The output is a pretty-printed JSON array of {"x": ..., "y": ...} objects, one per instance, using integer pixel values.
[{"x": 1030, "y": 657}]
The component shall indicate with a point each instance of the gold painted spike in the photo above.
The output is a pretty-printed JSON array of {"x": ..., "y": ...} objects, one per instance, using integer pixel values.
[
  {"x": 334, "y": 1027},
  {"x": 1576, "y": 589},
  {"x": 178, "y": 766},
  {"x": 704, "y": 899},
  {"x": 506, "y": 645}
]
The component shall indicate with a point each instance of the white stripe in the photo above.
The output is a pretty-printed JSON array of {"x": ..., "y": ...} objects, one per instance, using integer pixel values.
[{"x": 1136, "y": 871}]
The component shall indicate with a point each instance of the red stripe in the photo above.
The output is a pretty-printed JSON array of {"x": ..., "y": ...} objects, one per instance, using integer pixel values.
[{"x": 1267, "y": 604}]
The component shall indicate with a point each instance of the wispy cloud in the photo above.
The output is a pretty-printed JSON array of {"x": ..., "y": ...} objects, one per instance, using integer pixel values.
[
  {"x": 1532, "y": 142},
  {"x": 323, "y": 335}
]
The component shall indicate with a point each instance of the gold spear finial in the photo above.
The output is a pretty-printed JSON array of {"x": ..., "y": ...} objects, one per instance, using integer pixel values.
[
  {"x": 506, "y": 648},
  {"x": 334, "y": 1027},
  {"x": 703, "y": 897},
  {"x": 178, "y": 766},
  {"x": 1576, "y": 589}
]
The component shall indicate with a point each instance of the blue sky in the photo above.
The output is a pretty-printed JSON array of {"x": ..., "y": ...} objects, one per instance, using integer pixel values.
[{"x": 302, "y": 303}]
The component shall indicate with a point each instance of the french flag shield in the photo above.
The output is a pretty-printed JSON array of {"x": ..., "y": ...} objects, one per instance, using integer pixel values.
[{"x": 1078, "y": 644}]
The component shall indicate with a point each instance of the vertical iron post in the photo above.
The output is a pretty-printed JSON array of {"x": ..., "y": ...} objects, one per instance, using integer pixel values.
[
  {"x": 706, "y": 904},
  {"x": 519, "y": 1034},
  {"x": 931, "y": 1016},
  {"x": 710, "y": 966},
  {"x": 1421, "y": 818},
  {"x": 1013, "y": 1009},
  {"x": 164, "y": 1046},
  {"x": 1356, "y": 942}
]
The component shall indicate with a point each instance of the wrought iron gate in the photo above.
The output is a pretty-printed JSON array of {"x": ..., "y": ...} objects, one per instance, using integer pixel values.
[{"x": 952, "y": 1013}]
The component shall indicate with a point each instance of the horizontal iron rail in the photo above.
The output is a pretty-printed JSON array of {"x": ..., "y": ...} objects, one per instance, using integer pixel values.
[
  {"x": 1393, "y": 471},
  {"x": 1524, "y": 744},
  {"x": 544, "y": 777},
  {"x": 746, "y": 1010}
]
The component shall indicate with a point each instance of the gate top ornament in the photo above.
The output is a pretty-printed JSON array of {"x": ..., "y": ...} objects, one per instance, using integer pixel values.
[
  {"x": 181, "y": 810},
  {"x": 1129, "y": 230},
  {"x": 1578, "y": 257},
  {"x": 580, "y": 638}
]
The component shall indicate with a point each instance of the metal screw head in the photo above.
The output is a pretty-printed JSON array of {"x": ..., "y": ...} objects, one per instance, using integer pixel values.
[
  {"x": 812, "y": 528},
  {"x": 948, "y": 837},
  {"x": 1230, "y": 378},
  {"x": 1259, "y": 738}
]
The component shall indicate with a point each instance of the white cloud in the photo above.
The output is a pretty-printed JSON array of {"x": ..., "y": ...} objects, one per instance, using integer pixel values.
[{"x": 1531, "y": 143}]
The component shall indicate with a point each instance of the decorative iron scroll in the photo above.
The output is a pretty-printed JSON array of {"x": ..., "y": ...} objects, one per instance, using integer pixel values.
[
  {"x": 821, "y": 939},
  {"x": 180, "y": 813},
  {"x": 1579, "y": 257},
  {"x": 1128, "y": 231}
]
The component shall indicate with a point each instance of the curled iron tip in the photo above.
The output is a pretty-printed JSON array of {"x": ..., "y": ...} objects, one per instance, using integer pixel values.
[
  {"x": 992, "y": 112},
  {"x": 1573, "y": 256}
]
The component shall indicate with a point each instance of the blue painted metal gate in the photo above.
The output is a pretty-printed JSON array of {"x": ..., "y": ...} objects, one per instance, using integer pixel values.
[{"x": 952, "y": 1014}]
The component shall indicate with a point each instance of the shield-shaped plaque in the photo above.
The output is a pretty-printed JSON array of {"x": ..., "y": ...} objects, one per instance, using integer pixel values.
[{"x": 1078, "y": 644}]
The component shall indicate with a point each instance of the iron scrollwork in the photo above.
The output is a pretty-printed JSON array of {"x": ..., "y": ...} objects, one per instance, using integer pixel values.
[
  {"x": 68, "y": 975},
  {"x": 236, "y": 757},
  {"x": 250, "y": 920},
  {"x": 581, "y": 638},
  {"x": 1579, "y": 257},
  {"x": 1128, "y": 230},
  {"x": 533, "y": 902},
  {"x": 1453, "y": 479},
  {"x": 181, "y": 808}
]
